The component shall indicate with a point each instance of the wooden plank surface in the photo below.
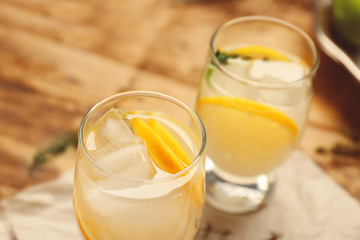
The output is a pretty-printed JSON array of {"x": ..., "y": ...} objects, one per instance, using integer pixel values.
[{"x": 58, "y": 58}]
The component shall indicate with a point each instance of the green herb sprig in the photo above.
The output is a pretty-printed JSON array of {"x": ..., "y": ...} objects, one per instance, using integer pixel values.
[
  {"x": 69, "y": 138},
  {"x": 223, "y": 57}
]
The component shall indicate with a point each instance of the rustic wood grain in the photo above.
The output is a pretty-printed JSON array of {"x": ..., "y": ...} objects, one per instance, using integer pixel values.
[
  {"x": 335, "y": 108},
  {"x": 58, "y": 58}
]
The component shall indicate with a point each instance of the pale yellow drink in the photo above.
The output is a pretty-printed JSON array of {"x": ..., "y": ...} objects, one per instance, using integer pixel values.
[
  {"x": 253, "y": 98},
  {"x": 252, "y": 131},
  {"x": 129, "y": 194}
]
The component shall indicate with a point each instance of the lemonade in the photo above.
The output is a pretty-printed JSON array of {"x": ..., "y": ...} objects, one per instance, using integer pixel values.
[
  {"x": 138, "y": 178},
  {"x": 251, "y": 132},
  {"x": 253, "y": 99}
]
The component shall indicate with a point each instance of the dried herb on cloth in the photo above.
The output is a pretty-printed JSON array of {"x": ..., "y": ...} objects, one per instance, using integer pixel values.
[
  {"x": 274, "y": 236},
  {"x": 344, "y": 153}
]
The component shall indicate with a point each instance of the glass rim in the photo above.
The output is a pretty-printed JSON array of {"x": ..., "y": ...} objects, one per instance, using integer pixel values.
[
  {"x": 244, "y": 80},
  {"x": 151, "y": 94}
]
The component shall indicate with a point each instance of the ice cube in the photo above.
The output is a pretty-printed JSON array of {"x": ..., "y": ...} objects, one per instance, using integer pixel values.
[
  {"x": 115, "y": 130},
  {"x": 239, "y": 66},
  {"x": 130, "y": 159},
  {"x": 111, "y": 129},
  {"x": 276, "y": 71}
]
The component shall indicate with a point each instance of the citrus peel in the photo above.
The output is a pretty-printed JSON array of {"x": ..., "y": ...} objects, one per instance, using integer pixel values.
[
  {"x": 169, "y": 139},
  {"x": 253, "y": 107},
  {"x": 165, "y": 151},
  {"x": 258, "y": 52}
]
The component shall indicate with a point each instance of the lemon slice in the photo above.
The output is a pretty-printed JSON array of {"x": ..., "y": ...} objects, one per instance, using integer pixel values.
[
  {"x": 258, "y": 52},
  {"x": 246, "y": 105},
  {"x": 245, "y": 137},
  {"x": 165, "y": 151}
]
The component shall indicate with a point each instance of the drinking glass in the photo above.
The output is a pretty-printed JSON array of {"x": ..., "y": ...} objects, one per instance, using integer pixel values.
[
  {"x": 253, "y": 99},
  {"x": 120, "y": 192}
]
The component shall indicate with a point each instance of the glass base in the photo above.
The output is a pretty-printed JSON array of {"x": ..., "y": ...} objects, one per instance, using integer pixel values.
[{"x": 243, "y": 196}]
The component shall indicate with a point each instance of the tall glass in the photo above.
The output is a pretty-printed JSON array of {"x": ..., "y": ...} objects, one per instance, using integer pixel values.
[
  {"x": 253, "y": 99},
  {"x": 120, "y": 192}
]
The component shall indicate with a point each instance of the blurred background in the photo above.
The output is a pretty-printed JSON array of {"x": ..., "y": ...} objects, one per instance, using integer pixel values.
[{"x": 58, "y": 58}]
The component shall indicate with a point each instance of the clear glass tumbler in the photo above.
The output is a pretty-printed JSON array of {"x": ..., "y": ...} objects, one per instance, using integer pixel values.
[
  {"x": 253, "y": 99},
  {"x": 140, "y": 171}
]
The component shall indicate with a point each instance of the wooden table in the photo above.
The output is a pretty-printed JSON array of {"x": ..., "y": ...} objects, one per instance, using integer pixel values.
[{"x": 58, "y": 58}]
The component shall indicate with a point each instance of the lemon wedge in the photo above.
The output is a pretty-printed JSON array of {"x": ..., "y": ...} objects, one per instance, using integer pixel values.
[
  {"x": 258, "y": 52},
  {"x": 168, "y": 154},
  {"x": 170, "y": 141},
  {"x": 165, "y": 151}
]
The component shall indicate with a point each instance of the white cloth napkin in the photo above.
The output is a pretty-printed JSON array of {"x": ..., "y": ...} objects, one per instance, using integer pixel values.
[
  {"x": 44, "y": 211},
  {"x": 307, "y": 204}
]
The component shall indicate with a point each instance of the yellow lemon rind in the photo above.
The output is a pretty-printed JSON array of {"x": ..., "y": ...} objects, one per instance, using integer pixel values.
[
  {"x": 253, "y": 107},
  {"x": 170, "y": 141},
  {"x": 259, "y": 52},
  {"x": 161, "y": 154}
]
